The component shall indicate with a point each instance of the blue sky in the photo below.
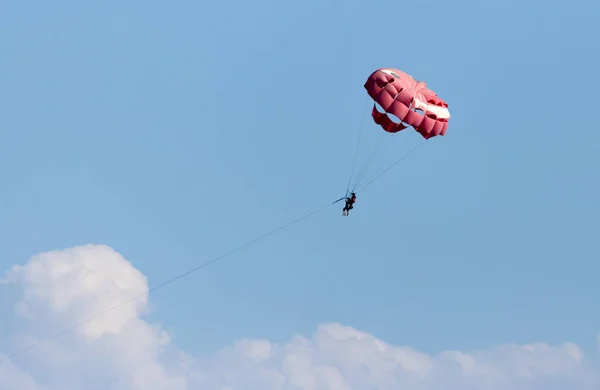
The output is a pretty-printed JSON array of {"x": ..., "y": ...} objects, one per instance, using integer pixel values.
[{"x": 174, "y": 132}]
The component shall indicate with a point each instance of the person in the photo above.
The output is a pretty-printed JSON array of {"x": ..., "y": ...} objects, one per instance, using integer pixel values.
[{"x": 349, "y": 204}]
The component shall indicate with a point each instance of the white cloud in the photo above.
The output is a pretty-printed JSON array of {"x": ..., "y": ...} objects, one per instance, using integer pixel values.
[
  {"x": 78, "y": 283},
  {"x": 121, "y": 351}
]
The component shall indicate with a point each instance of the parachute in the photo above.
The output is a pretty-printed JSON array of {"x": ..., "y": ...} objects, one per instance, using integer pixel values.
[
  {"x": 409, "y": 100},
  {"x": 399, "y": 102}
]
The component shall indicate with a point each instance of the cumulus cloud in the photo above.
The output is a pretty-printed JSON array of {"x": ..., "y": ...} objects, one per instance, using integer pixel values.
[
  {"x": 76, "y": 284},
  {"x": 122, "y": 351}
]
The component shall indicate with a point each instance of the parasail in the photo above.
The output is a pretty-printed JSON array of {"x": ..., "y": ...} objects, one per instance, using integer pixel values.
[
  {"x": 408, "y": 100},
  {"x": 399, "y": 102}
]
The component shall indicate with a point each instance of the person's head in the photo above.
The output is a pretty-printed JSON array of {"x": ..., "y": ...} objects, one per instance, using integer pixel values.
[{"x": 353, "y": 195}]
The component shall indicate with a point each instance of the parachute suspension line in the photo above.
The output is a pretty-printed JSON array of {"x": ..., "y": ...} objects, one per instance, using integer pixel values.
[
  {"x": 174, "y": 279},
  {"x": 384, "y": 154},
  {"x": 356, "y": 150},
  {"x": 384, "y": 162},
  {"x": 364, "y": 149},
  {"x": 366, "y": 165},
  {"x": 399, "y": 138},
  {"x": 414, "y": 149}
]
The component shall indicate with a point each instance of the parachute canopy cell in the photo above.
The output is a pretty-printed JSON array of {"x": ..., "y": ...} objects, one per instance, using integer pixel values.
[{"x": 409, "y": 100}]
